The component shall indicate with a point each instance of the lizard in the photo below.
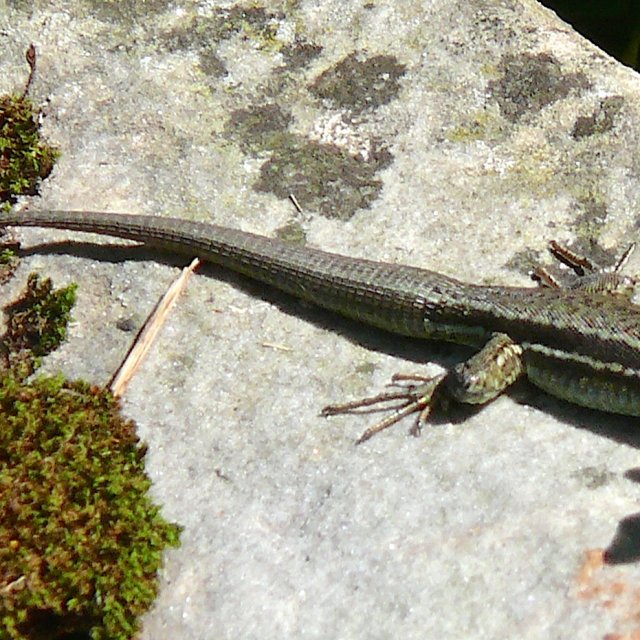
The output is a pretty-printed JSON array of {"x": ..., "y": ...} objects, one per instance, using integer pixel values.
[{"x": 580, "y": 343}]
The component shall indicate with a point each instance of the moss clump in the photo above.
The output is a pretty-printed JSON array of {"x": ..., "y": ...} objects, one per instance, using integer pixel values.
[
  {"x": 37, "y": 322},
  {"x": 24, "y": 158},
  {"x": 80, "y": 541},
  {"x": 8, "y": 262},
  {"x": 7, "y": 256}
]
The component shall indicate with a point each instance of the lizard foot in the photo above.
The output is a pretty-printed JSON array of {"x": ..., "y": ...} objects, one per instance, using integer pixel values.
[
  {"x": 415, "y": 396},
  {"x": 590, "y": 277}
]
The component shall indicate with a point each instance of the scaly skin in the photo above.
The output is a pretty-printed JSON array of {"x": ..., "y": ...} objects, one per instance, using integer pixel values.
[{"x": 580, "y": 344}]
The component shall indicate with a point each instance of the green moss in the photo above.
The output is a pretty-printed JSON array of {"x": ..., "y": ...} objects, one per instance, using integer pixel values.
[
  {"x": 24, "y": 158},
  {"x": 7, "y": 256},
  {"x": 8, "y": 262},
  {"x": 80, "y": 541},
  {"x": 37, "y": 321}
]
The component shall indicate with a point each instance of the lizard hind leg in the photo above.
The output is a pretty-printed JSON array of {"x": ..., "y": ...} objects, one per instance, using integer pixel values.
[
  {"x": 478, "y": 380},
  {"x": 416, "y": 395},
  {"x": 590, "y": 277}
]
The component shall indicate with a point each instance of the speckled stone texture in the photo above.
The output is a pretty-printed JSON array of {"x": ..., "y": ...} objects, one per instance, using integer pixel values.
[{"x": 460, "y": 136}]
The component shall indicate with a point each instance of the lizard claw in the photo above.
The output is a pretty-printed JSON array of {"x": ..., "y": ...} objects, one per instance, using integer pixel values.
[{"x": 413, "y": 398}]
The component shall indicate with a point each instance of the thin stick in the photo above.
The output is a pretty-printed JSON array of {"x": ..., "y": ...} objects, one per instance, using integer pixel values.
[{"x": 147, "y": 335}]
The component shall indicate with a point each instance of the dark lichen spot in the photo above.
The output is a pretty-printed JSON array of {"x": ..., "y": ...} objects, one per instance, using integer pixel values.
[
  {"x": 594, "y": 477},
  {"x": 528, "y": 261},
  {"x": 323, "y": 178},
  {"x": 26, "y": 6},
  {"x": 258, "y": 127},
  {"x": 589, "y": 248},
  {"x": 601, "y": 120},
  {"x": 129, "y": 12},
  {"x": 366, "y": 368},
  {"x": 292, "y": 233},
  {"x": 299, "y": 54},
  {"x": 203, "y": 34},
  {"x": 591, "y": 214},
  {"x": 212, "y": 65},
  {"x": 128, "y": 325},
  {"x": 530, "y": 82},
  {"x": 250, "y": 22},
  {"x": 358, "y": 83}
]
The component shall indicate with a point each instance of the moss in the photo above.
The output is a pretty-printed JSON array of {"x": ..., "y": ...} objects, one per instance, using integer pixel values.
[
  {"x": 8, "y": 262},
  {"x": 25, "y": 159},
  {"x": 37, "y": 321},
  {"x": 80, "y": 541},
  {"x": 7, "y": 256}
]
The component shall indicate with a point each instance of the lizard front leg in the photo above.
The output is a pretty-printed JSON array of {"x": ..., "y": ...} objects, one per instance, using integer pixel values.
[{"x": 477, "y": 380}]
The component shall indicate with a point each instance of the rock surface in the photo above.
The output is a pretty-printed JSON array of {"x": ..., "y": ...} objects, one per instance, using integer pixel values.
[{"x": 453, "y": 135}]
